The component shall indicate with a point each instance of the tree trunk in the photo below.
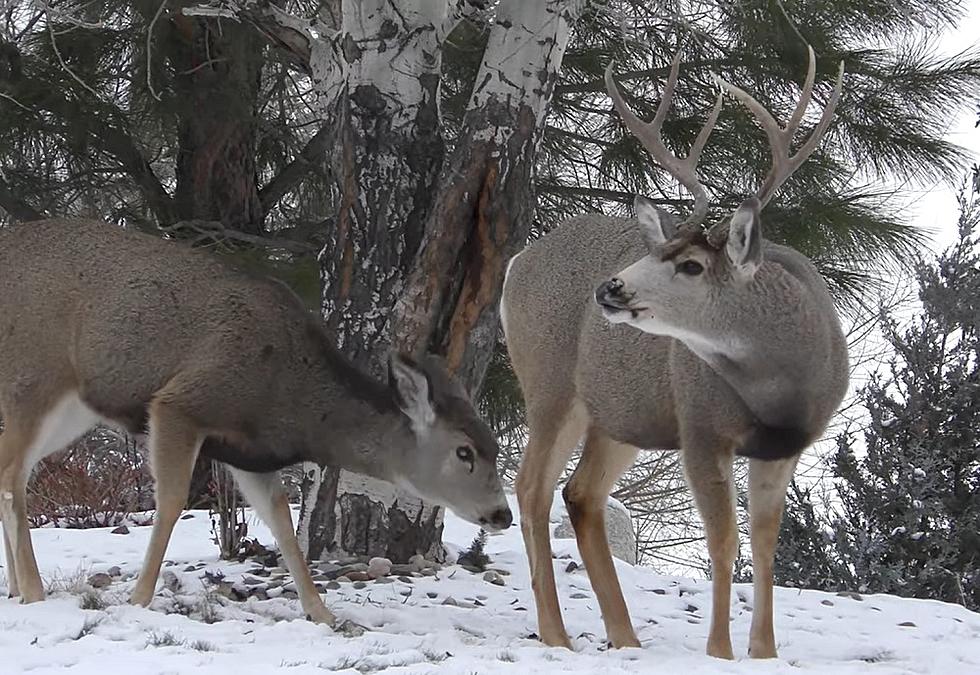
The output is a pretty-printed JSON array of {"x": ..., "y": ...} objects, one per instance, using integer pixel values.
[
  {"x": 484, "y": 202},
  {"x": 418, "y": 254},
  {"x": 385, "y": 161},
  {"x": 218, "y": 66}
]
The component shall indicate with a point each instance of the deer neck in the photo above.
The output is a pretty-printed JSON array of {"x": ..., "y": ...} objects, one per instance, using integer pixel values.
[
  {"x": 362, "y": 439},
  {"x": 764, "y": 386}
]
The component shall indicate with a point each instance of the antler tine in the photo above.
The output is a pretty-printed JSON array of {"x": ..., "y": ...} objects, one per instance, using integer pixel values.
[
  {"x": 784, "y": 164},
  {"x": 683, "y": 169}
]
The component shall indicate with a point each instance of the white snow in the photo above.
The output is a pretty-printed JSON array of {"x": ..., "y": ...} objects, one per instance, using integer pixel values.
[{"x": 409, "y": 632}]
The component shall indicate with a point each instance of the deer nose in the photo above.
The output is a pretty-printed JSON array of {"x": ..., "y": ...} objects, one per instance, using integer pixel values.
[
  {"x": 610, "y": 293},
  {"x": 502, "y": 518}
]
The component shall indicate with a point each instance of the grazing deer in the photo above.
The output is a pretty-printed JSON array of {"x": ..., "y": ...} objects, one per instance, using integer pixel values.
[
  {"x": 739, "y": 352},
  {"x": 99, "y": 324}
]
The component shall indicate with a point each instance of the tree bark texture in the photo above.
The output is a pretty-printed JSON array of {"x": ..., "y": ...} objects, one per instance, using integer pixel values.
[
  {"x": 217, "y": 66},
  {"x": 420, "y": 245},
  {"x": 484, "y": 201},
  {"x": 386, "y": 157}
]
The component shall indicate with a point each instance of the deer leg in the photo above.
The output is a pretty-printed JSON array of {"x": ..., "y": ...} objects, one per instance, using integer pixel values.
[
  {"x": 12, "y": 589},
  {"x": 12, "y": 446},
  {"x": 174, "y": 445},
  {"x": 21, "y": 446},
  {"x": 266, "y": 495},
  {"x": 24, "y": 578},
  {"x": 548, "y": 449},
  {"x": 767, "y": 495},
  {"x": 709, "y": 473},
  {"x": 603, "y": 462}
]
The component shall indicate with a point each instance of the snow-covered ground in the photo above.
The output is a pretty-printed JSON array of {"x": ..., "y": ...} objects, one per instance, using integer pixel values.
[{"x": 411, "y": 630}]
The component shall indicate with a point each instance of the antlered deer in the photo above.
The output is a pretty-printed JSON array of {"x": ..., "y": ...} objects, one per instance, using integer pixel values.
[
  {"x": 739, "y": 352},
  {"x": 99, "y": 324}
]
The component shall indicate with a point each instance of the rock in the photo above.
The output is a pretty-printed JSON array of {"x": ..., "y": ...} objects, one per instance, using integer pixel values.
[
  {"x": 493, "y": 577},
  {"x": 384, "y": 580},
  {"x": 501, "y": 572},
  {"x": 358, "y": 576},
  {"x": 451, "y": 602},
  {"x": 619, "y": 528},
  {"x": 99, "y": 580},
  {"x": 170, "y": 581},
  {"x": 328, "y": 570},
  {"x": 360, "y": 584},
  {"x": 406, "y": 580},
  {"x": 428, "y": 572},
  {"x": 122, "y": 529},
  {"x": 828, "y": 603},
  {"x": 399, "y": 570},
  {"x": 114, "y": 571},
  {"x": 471, "y": 569},
  {"x": 252, "y": 581},
  {"x": 332, "y": 585},
  {"x": 343, "y": 580},
  {"x": 420, "y": 564},
  {"x": 259, "y": 572},
  {"x": 379, "y": 567},
  {"x": 572, "y": 566},
  {"x": 659, "y": 591},
  {"x": 432, "y": 594},
  {"x": 579, "y": 596},
  {"x": 190, "y": 568},
  {"x": 908, "y": 624},
  {"x": 187, "y": 516}
]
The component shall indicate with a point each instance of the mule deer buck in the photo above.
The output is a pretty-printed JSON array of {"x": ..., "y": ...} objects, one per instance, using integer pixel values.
[
  {"x": 739, "y": 352},
  {"x": 99, "y": 324}
]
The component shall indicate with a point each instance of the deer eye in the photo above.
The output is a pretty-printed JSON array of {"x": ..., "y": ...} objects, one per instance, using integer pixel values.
[
  {"x": 465, "y": 454},
  {"x": 692, "y": 268}
]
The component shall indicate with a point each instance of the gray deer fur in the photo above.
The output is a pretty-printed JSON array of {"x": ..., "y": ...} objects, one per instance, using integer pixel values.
[
  {"x": 636, "y": 333},
  {"x": 98, "y": 324}
]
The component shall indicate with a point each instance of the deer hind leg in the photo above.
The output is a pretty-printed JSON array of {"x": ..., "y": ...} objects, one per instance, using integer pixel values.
[
  {"x": 708, "y": 466},
  {"x": 174, "y": 445},
  {"x": 266, "y": 495},
  {"x": 603, "y": 462},
  {"x": 22, "y": 445},
  {"x": 550, "y": 443},
  {"x": 767, "y": 495}
]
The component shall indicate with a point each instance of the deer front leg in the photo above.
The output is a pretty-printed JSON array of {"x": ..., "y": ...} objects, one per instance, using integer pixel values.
[
  {"x": 174, "y": 445},
  {"x": 546, "y": 454},
  {"x": 767, "y": 495},
  {"x": 603, "y": 462},
  {"x": 265, "y": 493},
  {"x": 22, "y": 574},
  {"x": 12, "y": 589},
  {"x": 708, "y": 467}
]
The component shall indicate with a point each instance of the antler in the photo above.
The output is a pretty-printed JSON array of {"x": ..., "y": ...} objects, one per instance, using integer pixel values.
[
  {"x": 648, "y": 133},
  {"x": 784, "y": 164}
]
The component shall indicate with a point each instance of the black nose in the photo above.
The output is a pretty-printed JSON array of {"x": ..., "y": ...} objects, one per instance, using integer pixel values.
[
  {"x": 502, "y": 518},
  {"x": 610, "y": 294}
]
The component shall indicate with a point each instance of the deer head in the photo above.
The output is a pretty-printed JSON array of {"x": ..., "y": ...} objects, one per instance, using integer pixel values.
[
  {"x": 692, "y": 271},
  {"x": 455, "y": 462}
]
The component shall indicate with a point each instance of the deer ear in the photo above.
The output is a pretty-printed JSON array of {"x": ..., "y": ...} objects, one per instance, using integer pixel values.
[
  {"x": 412, "y": 391},
  {"x": 655, "y": 225},
  {"x": 744, "y": 245}
]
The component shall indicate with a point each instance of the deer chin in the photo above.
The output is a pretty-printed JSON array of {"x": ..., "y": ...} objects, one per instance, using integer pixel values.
[{"x": 616, "y": 314}]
